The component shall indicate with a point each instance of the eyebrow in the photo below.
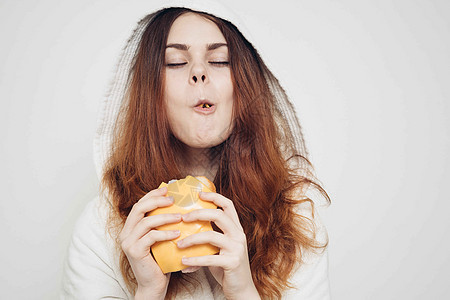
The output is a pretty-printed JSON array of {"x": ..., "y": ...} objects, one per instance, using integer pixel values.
[
  {"x": 184, "y": 47},
  {"x": 214, "y": 46}
]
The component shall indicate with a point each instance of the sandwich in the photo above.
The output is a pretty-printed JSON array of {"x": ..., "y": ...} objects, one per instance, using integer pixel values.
[{"x": 185, "y": 193}]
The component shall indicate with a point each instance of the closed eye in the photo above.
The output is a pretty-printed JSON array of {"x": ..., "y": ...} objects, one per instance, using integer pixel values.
[
  {"x": 175, "y": 65},
  {"x": 220, "y": 63}
]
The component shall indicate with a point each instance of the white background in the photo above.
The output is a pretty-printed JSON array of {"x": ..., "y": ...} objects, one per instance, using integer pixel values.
[{"x": 371, "y": 83}]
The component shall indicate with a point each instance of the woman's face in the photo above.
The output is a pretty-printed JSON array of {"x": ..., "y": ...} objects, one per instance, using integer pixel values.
[{"x": 198, "y": 91}]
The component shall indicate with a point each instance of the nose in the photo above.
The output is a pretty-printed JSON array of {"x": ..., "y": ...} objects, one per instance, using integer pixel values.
[
  {"x": 198, "y": 74},
  {"x": 195, "y": 78}
]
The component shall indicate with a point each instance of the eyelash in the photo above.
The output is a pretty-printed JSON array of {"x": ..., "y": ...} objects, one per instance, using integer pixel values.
[
  {"x": 216, "y": 63},
  {"x": 219, "y": 63},
  {"x": 177, "y": 65}
]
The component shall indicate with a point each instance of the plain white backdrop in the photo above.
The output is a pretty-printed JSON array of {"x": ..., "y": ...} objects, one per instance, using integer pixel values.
[{"x": 371, "y": 84}]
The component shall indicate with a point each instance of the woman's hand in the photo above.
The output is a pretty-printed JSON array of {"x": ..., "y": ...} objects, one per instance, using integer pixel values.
[
  {"x": 139, "y": 234},
  {"x": 231, "y": 267}
]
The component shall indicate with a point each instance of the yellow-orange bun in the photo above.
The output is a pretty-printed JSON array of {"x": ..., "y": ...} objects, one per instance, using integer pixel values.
[{"x": 185, "y": 193}]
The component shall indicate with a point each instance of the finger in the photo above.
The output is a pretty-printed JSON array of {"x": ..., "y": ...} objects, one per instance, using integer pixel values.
[
  {"x": 162, "y": 191},
  {"x": 217, "y": 216},
  {"x": 148, "y": 223},
  {"x": 223, "y": 261},
  {"x": 208, "y": 237},
  {"x": 139, "y": 210},
  {"x": 190, "y": 269},
  {"x": 140, "y": 248},
  {"x": 144, "y": 205},
  {"x": 154, "y": 236},
  {"x": 222, "y": 201},
  {"x": 147, "y": 202}
]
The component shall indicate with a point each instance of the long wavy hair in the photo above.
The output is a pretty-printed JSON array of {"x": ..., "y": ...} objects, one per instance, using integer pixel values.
[{"x": 259, "y": 169}]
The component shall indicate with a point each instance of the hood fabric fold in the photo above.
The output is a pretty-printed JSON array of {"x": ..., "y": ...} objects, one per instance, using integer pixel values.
[{"x": 111, "y": 103}]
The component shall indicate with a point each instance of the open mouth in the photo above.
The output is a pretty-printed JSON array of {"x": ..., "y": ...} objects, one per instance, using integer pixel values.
[{"x": 205, "y": 107}]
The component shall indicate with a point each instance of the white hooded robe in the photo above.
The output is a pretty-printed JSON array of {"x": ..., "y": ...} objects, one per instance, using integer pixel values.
[{"x": 92, "y": 271}]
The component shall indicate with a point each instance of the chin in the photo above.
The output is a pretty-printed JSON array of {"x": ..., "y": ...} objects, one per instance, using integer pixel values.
[
  {"x": 203, "y": 142},
  {"x": 204, "y": 139}
]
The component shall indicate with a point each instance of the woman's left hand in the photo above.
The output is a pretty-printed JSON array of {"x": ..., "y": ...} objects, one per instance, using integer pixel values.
[{"x": 231, "y": 268}]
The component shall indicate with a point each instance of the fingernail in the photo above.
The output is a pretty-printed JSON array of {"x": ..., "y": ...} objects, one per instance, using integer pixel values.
[
  {"x": 176, "y": 232},
  {"x": 170, "y": 198},
  {"x": 180, "y": 243},
  {"x": 162, "y": 188},
  {"x": 185, "y": 260}
]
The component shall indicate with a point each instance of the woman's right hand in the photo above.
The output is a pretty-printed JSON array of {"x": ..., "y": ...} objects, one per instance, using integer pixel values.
[{"x": 139, "y": 234}]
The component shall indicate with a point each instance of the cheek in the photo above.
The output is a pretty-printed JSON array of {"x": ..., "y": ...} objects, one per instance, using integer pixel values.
[
  {"x": 227, "y": 96},
  {"x": 172, "y": 109},
  {"x": 175, "y": 99},
  {"x": 171, "y": 93},
  {"x": 225, "y": 83},
  {"x": 175, "y": 118},
  {"x": 224, "y": 89},
  {"x": 228, "y": 122}
]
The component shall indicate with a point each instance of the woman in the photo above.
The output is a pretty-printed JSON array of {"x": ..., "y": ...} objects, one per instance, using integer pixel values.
[{"x": 198, "y": 100}]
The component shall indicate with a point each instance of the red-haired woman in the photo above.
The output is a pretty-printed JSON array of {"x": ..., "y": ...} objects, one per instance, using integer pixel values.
[{"x": 193, "y": 97}]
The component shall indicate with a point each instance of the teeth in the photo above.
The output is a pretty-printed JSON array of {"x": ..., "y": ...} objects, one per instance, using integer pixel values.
[{"x": 205, "y": 105}]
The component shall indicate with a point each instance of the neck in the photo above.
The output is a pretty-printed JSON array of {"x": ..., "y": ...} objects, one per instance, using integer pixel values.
[{"x": 198, "y": 162}]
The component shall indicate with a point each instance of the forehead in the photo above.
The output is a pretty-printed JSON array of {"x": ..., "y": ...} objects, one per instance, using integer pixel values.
[{"x": 191, "y": 29}]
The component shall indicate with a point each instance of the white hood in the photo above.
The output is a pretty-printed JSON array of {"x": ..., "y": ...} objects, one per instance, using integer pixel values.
[{"x": 111, "y": 103}]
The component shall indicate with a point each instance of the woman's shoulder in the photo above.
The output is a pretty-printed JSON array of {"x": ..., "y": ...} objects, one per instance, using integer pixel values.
[
  {"x": 91, "y": 267},
  {"x": 93, "y": 217},
  {"x": 311, "y": 277},
  {"x": 91, "y": 226}
]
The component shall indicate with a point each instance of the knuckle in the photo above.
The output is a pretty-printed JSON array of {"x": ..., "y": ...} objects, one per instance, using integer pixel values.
[
  {"x": 166, "y": 234},
  {"x": 152, "y": 233},
  {"x": 136, "y": 206},
  {"x": 148, "y": 195},
  {"x": 204, "y": 236},
  {"x": 234, "y": 261},
  {"x": 132, "y": 252},
  {"x": 157, "y": 191},
  {"x": 152, "y": 221},
  {"x": 219, "y": 213},
  {"x": 125, "y": 245},
  {"x": 210, "y": 234},
  {"x": 168, "y": 217},
  {"x": 242, "y": 238},
  {"x": 240, "y": 248},
  {"x": 153, "y": 236},
  {"x": 227, "y": 202},
  {"x": 148, "y": 221}
]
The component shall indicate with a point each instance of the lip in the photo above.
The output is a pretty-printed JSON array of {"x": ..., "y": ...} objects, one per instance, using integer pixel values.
[
  {"x": 205, "y": 111},
  {"x": 202, "y": 101}
]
